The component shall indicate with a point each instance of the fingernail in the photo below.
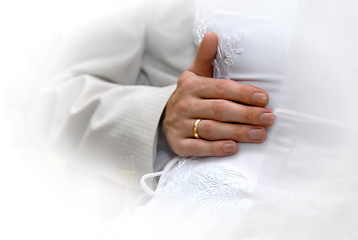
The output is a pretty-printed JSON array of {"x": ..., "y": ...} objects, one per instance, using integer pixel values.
[
  {"x": 267, "y": 118},
  {"x": 229, "y": 147},
  {"x": 256, "y": 134},
  {"x": 260, "y": 98}
]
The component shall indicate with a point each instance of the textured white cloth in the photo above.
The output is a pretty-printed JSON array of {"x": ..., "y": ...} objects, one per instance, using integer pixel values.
[
  {"x": 109, "y": 83},
  {"x": 302, "y": 183}
]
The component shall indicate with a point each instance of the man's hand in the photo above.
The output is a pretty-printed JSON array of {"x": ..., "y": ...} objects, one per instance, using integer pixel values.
[{"x": 230, "y": 111}]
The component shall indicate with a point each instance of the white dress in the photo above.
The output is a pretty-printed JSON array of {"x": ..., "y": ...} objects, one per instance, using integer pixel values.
[{"x": 302, "y": 182}]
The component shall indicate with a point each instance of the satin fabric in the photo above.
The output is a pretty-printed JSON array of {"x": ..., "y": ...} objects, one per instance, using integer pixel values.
[{"x": 302, "y": 182}]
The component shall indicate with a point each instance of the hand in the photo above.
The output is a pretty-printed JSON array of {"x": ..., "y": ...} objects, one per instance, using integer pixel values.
[{"x": 231, "y": 112}]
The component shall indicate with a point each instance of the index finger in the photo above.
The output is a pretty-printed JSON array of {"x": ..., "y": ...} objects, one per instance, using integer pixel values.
[{"x": 211, "y": 88}]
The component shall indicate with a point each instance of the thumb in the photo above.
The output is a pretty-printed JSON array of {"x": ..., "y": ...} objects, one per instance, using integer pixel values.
[{"x": 205, "y": 56}]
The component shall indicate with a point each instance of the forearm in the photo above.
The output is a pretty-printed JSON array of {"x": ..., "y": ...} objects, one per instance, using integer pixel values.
[
  {"x": 103, "y": 126},
  {"x": 108, "y": 86}
]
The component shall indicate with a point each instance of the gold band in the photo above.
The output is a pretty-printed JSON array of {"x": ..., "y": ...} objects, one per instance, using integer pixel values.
[{"x": 195, "y": 128}]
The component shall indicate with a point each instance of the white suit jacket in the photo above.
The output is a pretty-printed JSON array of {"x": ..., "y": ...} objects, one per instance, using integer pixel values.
[{"x": 109, "y": 83}]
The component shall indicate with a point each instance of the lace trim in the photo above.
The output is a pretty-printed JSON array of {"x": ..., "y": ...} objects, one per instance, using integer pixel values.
[
  {"x": 202, "y": 21},
  {"x": 227, "y": 48},
  {"x": 194, "y": 186},
  {"x": 228, "y": 45}
]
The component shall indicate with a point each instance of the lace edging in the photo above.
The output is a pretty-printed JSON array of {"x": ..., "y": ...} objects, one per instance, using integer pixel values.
[
  {"x": 228, "y": 45},
  {"x": 227, "y": 49}
]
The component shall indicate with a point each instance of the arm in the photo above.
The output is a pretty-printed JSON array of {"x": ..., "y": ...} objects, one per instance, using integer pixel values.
[{"x": 109, "y": 86}]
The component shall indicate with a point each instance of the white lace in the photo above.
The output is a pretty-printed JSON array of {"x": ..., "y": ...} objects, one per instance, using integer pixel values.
[
  {"x": 194, "y": 186},
  {"x": 227, "y": 48},
  {"x": 202, "y": 21},
  {"x": 228, "y": 43}
]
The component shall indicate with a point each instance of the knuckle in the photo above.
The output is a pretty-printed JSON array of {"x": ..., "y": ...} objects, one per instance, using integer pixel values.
[
  {"x": 215, "y": 149},
  {"x": 188, "y": 84},
  {"x": 196, "y": 148},
  {"x": 207, "y": 129},
  {"x": 250, "y": 115},
  {"x": 243, "y": 92},
  {"x": 220, "y": 88},
  {"x": 185, "y": 75},
  {"x": 244, "y": 89},
  {"x": 182, "y": 106},
  {"x": 238, "y": 134},
  {"x": 218, "y": 108}
]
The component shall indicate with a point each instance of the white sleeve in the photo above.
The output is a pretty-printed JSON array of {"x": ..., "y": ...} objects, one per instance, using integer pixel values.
[{"x": 109, "y": 86}]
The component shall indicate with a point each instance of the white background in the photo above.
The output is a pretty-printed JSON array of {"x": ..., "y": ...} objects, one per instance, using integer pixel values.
[{"x": 39, "y": 198}]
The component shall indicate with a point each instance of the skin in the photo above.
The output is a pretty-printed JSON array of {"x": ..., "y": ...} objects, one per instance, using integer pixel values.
[{"x": 231, "y": 111}]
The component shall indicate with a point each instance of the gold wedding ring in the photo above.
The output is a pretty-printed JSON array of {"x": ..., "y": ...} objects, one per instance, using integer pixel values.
[{"x": 195, "y": 128}]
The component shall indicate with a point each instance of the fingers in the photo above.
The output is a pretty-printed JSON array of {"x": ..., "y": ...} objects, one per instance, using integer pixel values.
[
  {"x": 227, "y": 111},
  {"x": 209, "y": 88},
  {"x": 206, "y": 87},
  {"x": 231, "y": 90},
  {"x": 205, "y": 55},
  {"x": 202, "y": 148},
  {"x": 233, "y": 112},
  {"x": 213, "y": 130}
]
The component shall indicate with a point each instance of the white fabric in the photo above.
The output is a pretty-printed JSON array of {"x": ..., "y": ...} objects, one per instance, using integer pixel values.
[
  {"x": 109, "y": 83},
  {"x": 302, "y": 182},
  {"x": 147, "y": 176},
  {"x": 259, "y": 32}
]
